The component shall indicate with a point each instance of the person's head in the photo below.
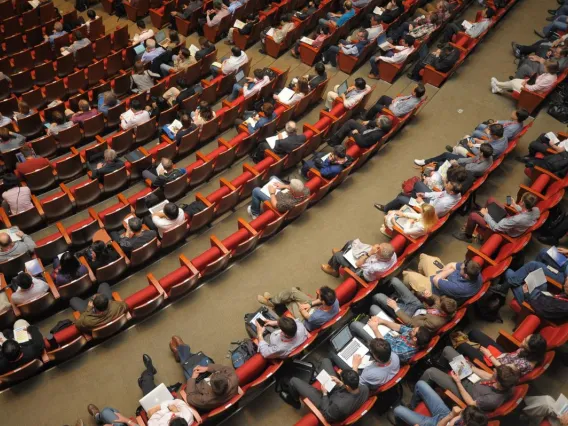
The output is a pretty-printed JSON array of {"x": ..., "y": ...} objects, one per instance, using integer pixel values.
[
  {"x": 470, "y": 270},
  {"x": 78, "y": 35},
  {"x": 473, "y": 416},
  {"x": 442, "y": 6},
  {"x": 528, "y": 200},
  {"x": 177, "y": 421},
  {"x": 324, "y": 29},
  {"x": 486, "y": 150},
  {"x": 488, "y": 12},
  {"x": 217, "y": 5},
  {"x": 290, "y": 127},
  {"x": 385, "y": 251},
  {"x": 171, "y": 211},
  {"x": 419, "y": 90},
  {"x": 167, "y": 164},
  {"x": 251, "y": 17},
  {"x": 380, "y": 350},
  {"x": 327, "y": 296},
  {"x": 205, "y": 111},
  {"x": 429, "y": 217},
  {"x": 434, "y": 19},
  {"x": 520, "y": 115},
  {"x": 57, "y": 117},
  {"x": 408, "y": 40},
  {"x": 286, "y": 18},
  {"x": 448, "y": 305},
  {"x": 100, "y": 302},
  {"x": 350, "y": 379},
  {"x": 91, "y": 14},
  {"x": 302, "y": 86},
  {"x": 506, "y": 376},
  {"x": 10, "y": 181},
  {"x": 375, "y": 20},
  {"x": 496, "y": 131},
  {"x": 185, "y": 121},
  {"x": 420, "y": 336},
  {"x": 320, "y": 68},
  {"x": 141, "y": 24},
  {"x": 552, "y": 67},
  {"x": 24, "y": 280},
  {"x": 23, "y": 107},
  {"x": 203, "y": 42},
  {"x": 288, "y": 326},
  {"x": 84, "y": 105},
  {"x": 384, "y": 122},
  {"x": 27, "y": 151},
  {"x": 185, "y": 53},
  {"x": 347, "y": 5},
  {"x": 339, "y": 152},
  {"x": 109, "y": 155},
  {"x": 150, "y": 44},
  {"x": 135, "y": 105},
  {"x": 11, "y": 350},
  {"x": 297, "y": 187},
  {"x": 58, "y": 27},
  {"x": 258, "y": 74},
  {"x": 268, "y": 109},
  {"x": 447, "y": 50},
  {"x": 533, "y": 348},
  {"x": 363, "y": 35},
  {"x": 236, "y": 51},
  {"x": 69, "y": 263},
  {"x": 109, "y": 98},
  {"x": 5, "y": 240},
  {"x": 174, "y": 36},
  {"x": 360, "y": 83},
  {"x": 219, "y": 384}
]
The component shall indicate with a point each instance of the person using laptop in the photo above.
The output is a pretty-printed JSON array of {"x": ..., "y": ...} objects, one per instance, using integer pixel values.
[
  {"x": 144, "y": 34},
  {"x": 13, "y": 354},
  {"x": 369, "y": 261},
  {"x": 284, "y": 144},
  {"x": 251, "y": 86},
  {"x": 527, "y": 214},
  {"x": 344, "y": 399},
  {"x": 134, "y": 237},
  {"x": 282, "y": 197},
  {"x": 28, "y": 288},
  {"x": 351, "y": 96},
  {"x": 291, "y": 97},
  {"x": 162, "y": 174},
  {"x": 98, "y": 310},
  {"x": 290, "y": 334},
  {"x": 32, "y": 162},
  {"x": 236, "y": 61},
  {"x": 313, "y": 312},
  {"x": 162, "y": 221}
]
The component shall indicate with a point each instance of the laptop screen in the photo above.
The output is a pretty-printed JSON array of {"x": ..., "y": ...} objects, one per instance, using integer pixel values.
[
  {"x": 240, "y": 75},
  {"x": 20, "y": 157},
  {"x": 160, "y": 36},
  {"x": 139, "y": 49},
  {"x": 341, "y": 338},
  {"x": 342, "y": 88}
]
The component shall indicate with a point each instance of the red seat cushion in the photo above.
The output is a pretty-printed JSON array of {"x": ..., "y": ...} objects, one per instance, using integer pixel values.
[
  {"x": 52, "y": 197},
  {"x": 66, "y": 335},
  {"x": 174, "y": 277},
  {"x": 79, "y": 185},
  {"x": 141, "y": 296},
  {"x": 48, "y": 239},
  {"x": 251, "y": 369},
  {"x": 155, "y": 149}
]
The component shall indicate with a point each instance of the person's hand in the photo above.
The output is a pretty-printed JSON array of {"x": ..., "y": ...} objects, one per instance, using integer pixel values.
[
  {"x": 563, "y": 419},
  {"x": 483, "y": 211},
  {"x": 271, "y": 189},
  {"x": 427, "y": 294},
  {"x": 174, "y": 13},
  {"x": 456, "y": 411},
  {"x": 374, "y": 322},
  {"x": 200, "y": 369},
  {"x": 357, "y": 361},
  {"x": 20, "y": 233},
  {"x": 562, "y": 250},
  {"x": 354, "y": 132},
  {"x": 455, "y": 377},
  {"x": 454, "y": 162},
  {"x": 391, "y": 303},
  {"x": 173, "y": 408},
  {"x": 525, "y": 288},
  {"x": 486, "y": 352},
  {"x": 377, "y": 59},
  {"x": 99, "y": 165},
  {"x": 259, "y": 328},
  {"x": 305, "y": 306},
  {"x": 275, "y": 97},
  {"x": 336, "y": 380},
  {"x": 90, "y": 304},
  {"x": 420, "y": 195},
  {"x": 437, "y": 52}
]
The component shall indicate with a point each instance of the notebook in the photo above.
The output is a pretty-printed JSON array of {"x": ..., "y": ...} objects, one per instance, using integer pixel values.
[
  {"x": 272, "y": 180},
  {"x": 193, "y": 49},
  {"x": 240, "y": 76},
  {"x": 286, "y": 94},
  {"x": 307, "y": 40},
  {"x": 325, "y": 379},
  {"x": 378, "y": 10},
  {"x": 558, "y": 257},
  {"x": 21, "y": 335},
  {"x": 467, "y": 25},
  {"x": 270, "y": 32},
  {"x": 33, "y": 267},
  {"x": 272, "y": 140},
  {"x": 561, "y": 405},
  {"x": 160, "y": 36},
  {"x": 239, "y": 24},
  {"x": 552, "y": 138},
  {"x": 342, "y": 88},
  {"x": 496, "y": 212},
  {"x": 385, "y": 46},
  {"x": 383, "y": 329},
  {"x": 156, "y": 397},
  {"x": 461, "y": 367},
  {"x": 535, "y": 279}
]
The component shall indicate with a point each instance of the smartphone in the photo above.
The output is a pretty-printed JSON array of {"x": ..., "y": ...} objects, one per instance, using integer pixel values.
[
  {"x": 509, "y": 200},
  {"x": 438, "y": 264},
  {"x": 261, "y": 322}
]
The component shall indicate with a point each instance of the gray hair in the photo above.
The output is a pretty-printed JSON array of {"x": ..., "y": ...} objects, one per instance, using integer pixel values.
[
  {"x": 297, "y": 186},
  {"x": 150, "y": 43},
  {"x": 110, "y": 154},
  {"x": 384, "y": 122},
  {"x": 290, "y": 127},
  {"x": 167, "y": 163},
  {"x": 386, "y": 251}
]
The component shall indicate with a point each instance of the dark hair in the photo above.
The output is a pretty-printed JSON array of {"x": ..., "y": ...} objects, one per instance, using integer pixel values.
[
  {"x": 135, "y": 224},
  {"x": 422, "y": 337},
  {"x": 100, "y": 302},
  {"x": 140, "y": 23},
  {"x": 219, "y": 385},
  {"x": 185, "y": 121},
  {"x": 5, "y": 135},
  {"x": 419, "y": 90},
  {"x": 178, "y": 421},
  {"x": 251, "y": 17},
  {"x": 69, "y": 265},
  {"x": 324, "y": 29},
  {"x": 448, "y": 305},
  {"x": 490, "y": 12},
  {"x": 11, "y": 350},
  {"x": 350, "y": 378},
  {"x": 496, "y": 130},
  {"x": 327, "y": 295},
  {"x": 102, "y": 251},
  {"x": 26, "y": 151},
  {"x": 286, "y": 18},
  {"x": 24, "y": 280},
  {"x": 205, "y": 111},
  {"x": 360, "y": 83},
  {"x": 185, "y": 52},
  {"x": 365, "y": 34},
  {"x": 57, "y": 117},
  {"x": 380, "y": 349},
  {"x": 204, "y": 42},
  {"x": 138, "y": 67},
  {"x": 486, "y": 150},
  {"x": 522, "y": 115},
  {"x": 320, "y": 68},
  {"x": 507, "y": 376},
  {"x": 288, "y": 326},
  {"x": 472, "y": 269},
  {"x": 182, "y": 82},
  {"x": 303, "y": 85},
  {"x": 448, "y": 49},
  {"x": 91, "y": 14},
  {"x": 174, "y": 36},
  {"x": 78, "y": 35},
  {"x": 268, "y": 109},
  {"x": 339, "y": 151},
  {"x": 171, "y": 210},
  {"x": 473, "y": 416},
  {"x": 536, "y": 349},
  {"x": 529, "y": 200},
  {"x": 23, "y": 107},
  {"x": 434, "y": 19},
  {"x": 10, "y": 179},
  {"x": 258, "y": 73},
  {"x": 236, "y": 51},
  {"x": 409, "y": 40},
  {"x": 135, "y": 104}
]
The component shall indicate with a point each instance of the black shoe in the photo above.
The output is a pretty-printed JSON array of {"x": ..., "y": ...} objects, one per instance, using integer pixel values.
[
  {"x": 552, "y": 11},
  {"x": 560, "y": 2},
  {"x": 174, "y": 388},
  {"x": 380, "y": 207},
  {"x": 462, "y": 236},
  {"x": 511, "y": 77},
  {"x": 538, "y": 33},
  {"x": 521, "y": 159},
  {"x": 449, "y": 148},
  {"x": 148, "y": 363},
  {"x": 262, "y": 51}
]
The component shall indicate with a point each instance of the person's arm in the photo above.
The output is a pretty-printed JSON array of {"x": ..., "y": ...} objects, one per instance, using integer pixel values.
[
  {"x": 466, "y": 397},
  {"x": 451, "y": 415},
  {"x": 403, "y": 316},
  {"x": 27, "y": 240},
  {"x": 442, "y": 275},
  {"x": 350, "y": 49},
  {"x": 304, "y": 309}
]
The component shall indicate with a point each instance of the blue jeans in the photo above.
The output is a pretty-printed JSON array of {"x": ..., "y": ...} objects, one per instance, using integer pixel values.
[
  {"x": 374, "y": 64},
  {"x": 559, "y": 24},
  {"x": 108, "y": 416},
  {"x": 330, "y": 55},
  {"x": 439, "y": 410},
  {"x": 214, "y": 71},
  {"x": 563, "y": 10},
  {"x": 235, "y": 93},
  {"x": 479, "y": 131},
  {"x": 516, "y": 279},
  {"x": 257, "y": 198}
]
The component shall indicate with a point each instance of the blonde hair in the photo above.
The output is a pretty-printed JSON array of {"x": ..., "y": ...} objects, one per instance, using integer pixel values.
[{"x": 429, "y": 217}]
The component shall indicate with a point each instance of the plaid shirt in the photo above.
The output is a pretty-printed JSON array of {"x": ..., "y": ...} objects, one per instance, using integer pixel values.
[{"x": 402, "y": 344}]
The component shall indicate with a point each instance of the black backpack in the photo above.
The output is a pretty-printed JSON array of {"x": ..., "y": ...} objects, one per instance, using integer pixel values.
[
  {"x": 299, "y": 369},
  {"x": 489, "y": 305},
  {"x": 559, "y": 111},
  {"x": 244, "y": 350}
]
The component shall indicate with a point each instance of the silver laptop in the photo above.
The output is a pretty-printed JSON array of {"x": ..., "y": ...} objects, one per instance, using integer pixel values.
[
  {"x": 345, "y": 345},
  {"x": 158, "y": 207},
  {"x": 342, "y": 88},
  {"x": 240, "y": 76},
  {"x": 160, "y": 36},
  {"x": 156, "y": 397}
]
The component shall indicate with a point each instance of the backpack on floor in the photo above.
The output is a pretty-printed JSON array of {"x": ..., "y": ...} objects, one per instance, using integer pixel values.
[
  {"x": 559, "y": 111},
  {"x": 244, "y": 350},
  {"x": 489, "y": 305},
  {"x": 302, "y": 370}
]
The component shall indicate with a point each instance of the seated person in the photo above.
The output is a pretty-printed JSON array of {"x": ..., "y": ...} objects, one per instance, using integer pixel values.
[
  {"x": 279, "y": 33},
  {"x": 285, "y": 144},
  {"x": 487, "y": 395},
  {"x": 476, "y": 29},
  {"x": 14, "y": 354},
  {"x": 280, "y": 343},
  {"x": 542, "y": 145},
  {"x": 534, "y": 64},
  {"x": 252, "y": 85},
  {"x": 442, "y": 60},
  {"x": 58, "y": 31},
  {"x": 167, "y": 219},
  {"x": 165, "y": 172},
  {"x": 441, "y": 8},
  {"x": 250, "y": 21},
  {"x": 543, "y": 83},
  {"x": 98, "y": 310},
  {"x": 33, "y": 162},
  {"x": 67, "y": 269},
  {"x": 542, "y": 260},
  {"x": 322, "y": 33},
  {"x": 542, "y": 408},
  {"x": 301, "y": 88},
  {"x": 267, "y": 116},
  {"x": 458, "y": 280},
  {"x": 308, "y": 10},
  {"x": 173, "y": 40},
  {"x": 392, "y": 11},
  {"x": 187, "y": 126},
  {"x": 206, "y": 48},
  {"x": 24, "y": 111},
  {"x": 318, "y": 78},
  {"x": 416, "y": 224},
  {"x": 343, "y": 400},
  {"x": 280, "y": 199},
  {"x": 10, "y": 140},
  {"x": 137, "y": 115},
  {"x": 237, "y": 60},
  {"x": 203, "y": 114},
  {"x": 80, "y": 42},
  {"x": 497, "y": 140},
  {"x": 213, "y": 17},
  {"x": 144, "y": 33},
  {"x": 312, "y": 312},
  {"x": 110, "y": 163},
  {"x": 526, "y": 215},
  {"x": 339, "y": 19},
  {"x": 15, "y": 198},
  {"x": 374, "y": 31},
  {"x": 371, "y": 261},
  {"x": 351, "y": 97},
  {"x": 142, "y": 79},
  {"x": 395, "y": 55},
  {"x": 329, "y": 168},
  {"x": 477, "y": 165},
  {"x": 28, "y": 288},
  {"x": 10, "y": 249},
  {"x": 98, "y": 255},
  {"x": 419, "y": 27},
  {"x": 430, "y": 311},
  {"x": 407, "y": 343},
  {"x": 354, "y": 48},
  {"x": 205, "y": 395},
  {"x": 188, "y": 10},
  {"x": 85, "y": 112},
  {"x": 59, "y": 123},
  {"x": 134, "y": 237},
  {"x": 531, "y": 352},
  {"x": 440, "y": 413},
  {"x": 180, "y": 62},
  {"x": 152, "y": 52},
  {"x": 399, "y": 106},
  {"x": 106, "y": 101}
]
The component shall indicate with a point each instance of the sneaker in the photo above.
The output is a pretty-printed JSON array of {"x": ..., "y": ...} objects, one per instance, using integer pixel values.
[
  {"x": 373, "y": 76},
  {"x": 420, "y": 162},
  {"x": 521, "y": 159},
  {"x": 494, "y": 88},
  {"x": 552, "y": 11},
  {"x": 462, "y": 236},
  {"x": 267, "y": 295},
  {"x": 251, "y": 214},
  {"x": 550, "y": 18}
]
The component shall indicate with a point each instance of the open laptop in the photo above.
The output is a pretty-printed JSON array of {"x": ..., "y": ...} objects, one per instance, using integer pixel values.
[
  {"x": 240, "y": 77},
  {"x": 156, "y": 397},
  {"x": 342, "y": 88},
  {"x": 160, "y": 36},
  {"x": 345, "y": 345},
  {"x": 139, "y": 50}
]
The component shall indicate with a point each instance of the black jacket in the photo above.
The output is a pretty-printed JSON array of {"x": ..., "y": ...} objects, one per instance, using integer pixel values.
[
  {"x": 389, "y": 16},
  {"x": 108, "y": 167},
  {"x": 129, "y": 244},
  {"x": 289, "y": 144},
  {"x": 167, "y": 177},
  {"x": 247, "y": 29},
  {"x": 444, "y": 63},
  {"x": 31, "y": 350},
  {"x": 182, "y": 132},
  {"x": 370, "y": 137},
  {"x": 547, "y": 307},
  {"x": 204, "y": 52},
  {"x": 315, "y": 80}
]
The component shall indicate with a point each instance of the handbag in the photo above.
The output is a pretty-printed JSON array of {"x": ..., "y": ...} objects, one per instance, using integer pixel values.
[{"x": 408, "y": 185}]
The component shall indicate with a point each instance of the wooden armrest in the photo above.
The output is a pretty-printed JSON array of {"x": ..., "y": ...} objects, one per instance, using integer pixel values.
[
  {"x": 99, "y": 139},
  {"x": 268, "y": 206},
  {"x": 74, "y": 151},
  {"x": 225, "y": 182},
  {"x": 76, "y": 315},
  {"x": 223, "y": 142},
  {"x": 200, "y": 197},
  {"x": 148, "y": 183},
  {"x": 184, "y": 261},
  {"x": 315, "y": 411},
  {"x": 120, "y": 252},
  {"x": 153, "y": 281},
  {"x": 482, "y": 366},
  {"x": 243, "y": 128},
  {"x": 165, "y": 138},
  {"x": 243, "y": 224},
  {"x": 63, "y": 232},
  {"x": 200, "y": 156},
  {"x": 144, "y": 151},
  {"x": 455, "y": 399},
  {"x": 95, "y": 216},
  {"x": 482, "y": 255},
  {"x": 50, "y": 283},
  {"x": 308, "y": 126},
  {"x": 546, "y": 172},
  {"x": 38, "y": 206},
  {"x": 116, "y": 296},
  {"x": 122, "y": 199},
  {"x": 356, "y": 277},
  {"x": 510, "y": 338},
  {"x": 64, "y": 188},
  {"x": 272, "y": 154},
  {"x": 554, "y": 283},
  {"x": 86, "y": 264},
  {"x": 251, "y": 169},
  {"x": 226, "y": 103},
  {"x": 328, "y": 115},
  {"x": 5, "y": 219},
  {"x": 205, "y": 83},
  {"x": 215, "y": 242}
]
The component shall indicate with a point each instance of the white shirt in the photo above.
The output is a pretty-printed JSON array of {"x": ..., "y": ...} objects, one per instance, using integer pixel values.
[
  {"x": 296, "y": 97},
  {"x": 353, "y": 97},
  {"x": 143, "y": 36},
  {"x": 233, "y": 63},
  {"x": 163, "y": 416},
  {"x": 38, "y": 288},
  {"x": 400, "y": 56},
  {"x": 374, "y": 32},
  {"x": 442, "y": 201},
  {"x": 140, "y": 117},
  {"x": 543, "y": 83},
  {"x": 258, "y": 84},
  {"x": 19, "y": 199},
  {"x": 164, "y": 224}
]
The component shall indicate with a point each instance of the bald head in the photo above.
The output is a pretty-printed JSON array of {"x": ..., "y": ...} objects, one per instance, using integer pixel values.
[{"x": 5, "y": 240}]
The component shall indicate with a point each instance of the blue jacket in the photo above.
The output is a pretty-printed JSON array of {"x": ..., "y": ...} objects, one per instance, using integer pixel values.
[
  {"x": 261, "y": 122},
  {"x": 345, "y": 17}
]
